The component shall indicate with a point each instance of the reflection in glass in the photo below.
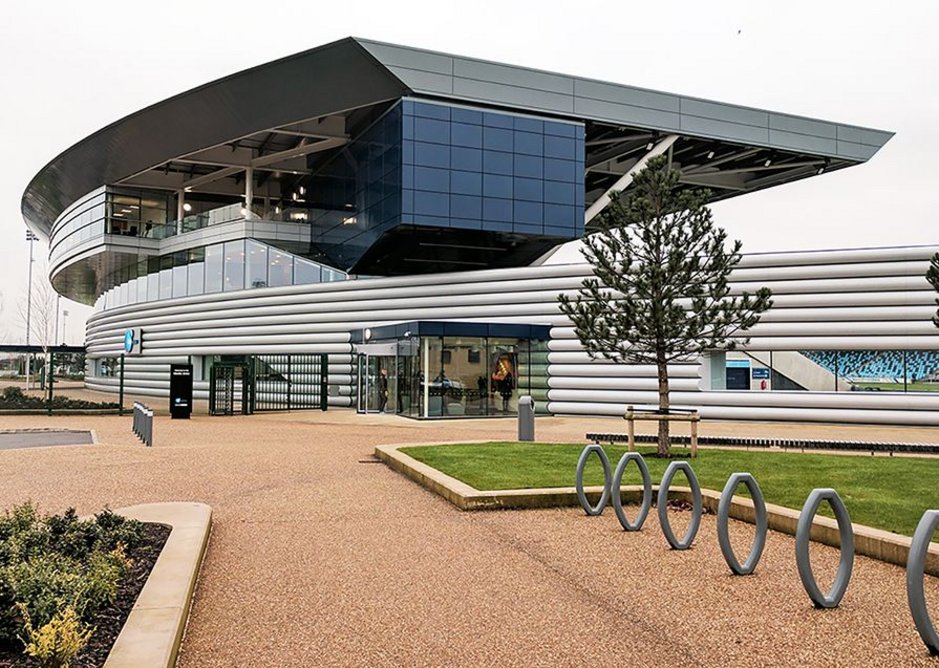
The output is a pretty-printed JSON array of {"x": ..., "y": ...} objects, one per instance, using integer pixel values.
[
  {"x": 234, "y": 266},
  {"x": 305, "y": 272},
  {"x": 503, "y": 375},
  {"x": 142, "y": 289},
  {"x": 214, "y": 259},
  {"x": 280, "y": 269},
  {"x": 166, "y": 283},
  {"x": 256, "y": 265},
  {"x": 215, "y": 268},
  {"x": 180, "y": 280},
  {"x": 153, "y": 286}
]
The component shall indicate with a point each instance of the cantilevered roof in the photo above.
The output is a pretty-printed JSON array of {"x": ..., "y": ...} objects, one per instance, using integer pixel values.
[
  {"x": 315, "y": 95},
  {"x": 471, "y": 79}
]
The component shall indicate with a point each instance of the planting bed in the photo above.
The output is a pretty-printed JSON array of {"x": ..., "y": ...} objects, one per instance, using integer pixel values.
[{"x": 107, "y": 622}]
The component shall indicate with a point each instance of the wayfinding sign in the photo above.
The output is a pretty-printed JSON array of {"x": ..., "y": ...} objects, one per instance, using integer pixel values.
[{"x": 180, "y": 391}]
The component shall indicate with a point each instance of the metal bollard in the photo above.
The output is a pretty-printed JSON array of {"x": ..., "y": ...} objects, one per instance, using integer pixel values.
[
  {"x": 526, "y": 419},
  {"x": 149, "y": 440}
]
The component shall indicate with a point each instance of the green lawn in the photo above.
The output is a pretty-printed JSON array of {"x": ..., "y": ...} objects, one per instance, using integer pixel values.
[
  {"x": 895, "y": 387},
  {"x": 886, "y": 492}
]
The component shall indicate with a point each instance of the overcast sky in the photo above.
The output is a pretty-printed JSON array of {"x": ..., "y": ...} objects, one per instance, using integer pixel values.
[{"x": 69, "y": 68}]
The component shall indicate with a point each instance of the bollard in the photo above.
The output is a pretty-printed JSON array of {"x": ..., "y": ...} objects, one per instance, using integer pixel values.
[
  {"x": 526, "y": 419},
  {"x": 149, "y": 440},
  {"x": 142, "y": 424}
]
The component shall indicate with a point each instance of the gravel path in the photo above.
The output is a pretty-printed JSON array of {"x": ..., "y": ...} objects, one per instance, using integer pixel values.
[{"x": 318, "y": 559}]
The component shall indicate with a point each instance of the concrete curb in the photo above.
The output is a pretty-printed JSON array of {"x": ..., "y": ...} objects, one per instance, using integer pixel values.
[
  {"x": 154, "y": 629},
  {"x": 868, "y": 541}
]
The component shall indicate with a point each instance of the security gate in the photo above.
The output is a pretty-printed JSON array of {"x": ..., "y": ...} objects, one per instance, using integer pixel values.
[{"x": 227, "y": 389}]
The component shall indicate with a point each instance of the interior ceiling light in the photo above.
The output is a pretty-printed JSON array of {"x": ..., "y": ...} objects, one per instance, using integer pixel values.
[
  {"x": 187, "y": 189},
  {"x": 187, "y": 207},
  {"x": 350, "y": 220},
  {"x": 302, "y": 190},
  {"x": 649, "y": 146},
  {"x": 710, "y": 155},
  {"x": 821, "y": 170},
  {"x": 767, "y": 163}
]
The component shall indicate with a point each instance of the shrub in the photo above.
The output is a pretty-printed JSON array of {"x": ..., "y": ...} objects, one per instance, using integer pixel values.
[
  {"x": 50, "y": 564},
  {"x": 12, "y": 393},
  {"x": 55, "y": 644}
]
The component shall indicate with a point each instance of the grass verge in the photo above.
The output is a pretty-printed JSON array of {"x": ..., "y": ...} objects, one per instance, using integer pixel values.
[{"x": 887, "y": 493}]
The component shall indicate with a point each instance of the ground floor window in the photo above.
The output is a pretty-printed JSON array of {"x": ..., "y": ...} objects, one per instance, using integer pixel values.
[
  {"x": 443, "y": 376},
  {"x": 823, "y": 370}
]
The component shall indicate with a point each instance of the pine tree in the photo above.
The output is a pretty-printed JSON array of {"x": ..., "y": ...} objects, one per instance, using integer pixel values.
[
  {"x": 660, "y": 292},
  {"x": 932, "y": 275}
]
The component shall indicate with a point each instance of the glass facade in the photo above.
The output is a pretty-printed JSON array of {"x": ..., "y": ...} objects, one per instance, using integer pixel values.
[
  {"x": 356, "y": 196},
  {"x": 825, "y": 370},
  {"x": 235, "y": 265},
  {"x": 480, "y": 373},
  {"x": 469, "y": 175},
  {"x": 880, "y": 370},
  {"x": 485, "y": 170},
  {"x": 81, "y": 222},
  {"x": 137, "y": 213}
]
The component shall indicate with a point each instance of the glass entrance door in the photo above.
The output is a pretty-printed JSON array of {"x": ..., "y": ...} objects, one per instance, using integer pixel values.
[{"x": 377, "y": 383}]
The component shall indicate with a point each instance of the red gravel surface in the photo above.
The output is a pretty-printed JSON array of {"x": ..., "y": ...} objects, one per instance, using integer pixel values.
[{"x": 317, "y": 559}]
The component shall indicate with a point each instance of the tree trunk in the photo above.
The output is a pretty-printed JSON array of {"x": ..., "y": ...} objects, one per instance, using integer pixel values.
[{"x": 662, "y": 366}]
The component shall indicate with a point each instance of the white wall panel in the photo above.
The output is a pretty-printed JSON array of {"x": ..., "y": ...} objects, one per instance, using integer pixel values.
[{"x": 866, "y": 299}]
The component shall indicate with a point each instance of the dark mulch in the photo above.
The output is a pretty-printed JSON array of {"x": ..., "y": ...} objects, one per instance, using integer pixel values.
[{"x": 107, "y": 623}]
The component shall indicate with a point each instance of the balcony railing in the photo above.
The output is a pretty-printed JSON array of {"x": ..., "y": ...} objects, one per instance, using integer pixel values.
[{"x": 197, "y": 221}]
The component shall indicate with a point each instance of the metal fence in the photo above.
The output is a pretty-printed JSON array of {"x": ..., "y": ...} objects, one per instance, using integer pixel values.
[
  {"x": 280, "y": 382},
  {"x": 289, "y": 382}
]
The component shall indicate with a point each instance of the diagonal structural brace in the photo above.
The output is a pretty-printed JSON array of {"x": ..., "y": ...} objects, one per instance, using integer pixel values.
[{"x": 627, "y": 178}]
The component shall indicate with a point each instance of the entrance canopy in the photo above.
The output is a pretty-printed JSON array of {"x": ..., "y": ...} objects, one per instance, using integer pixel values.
[{"x": 416, "y": 328}]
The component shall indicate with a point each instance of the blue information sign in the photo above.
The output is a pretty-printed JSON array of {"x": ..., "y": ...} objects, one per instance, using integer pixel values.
[{"x": 759, "y": 373}]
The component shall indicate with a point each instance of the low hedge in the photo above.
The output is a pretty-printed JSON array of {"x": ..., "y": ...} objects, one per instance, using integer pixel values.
[
  {"x": 13, "y": 398},
  {"x": 56, "y": 572}
]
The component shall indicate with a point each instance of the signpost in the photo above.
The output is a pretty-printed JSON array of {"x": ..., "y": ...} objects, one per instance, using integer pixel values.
[{"x": 180, "y": 391}]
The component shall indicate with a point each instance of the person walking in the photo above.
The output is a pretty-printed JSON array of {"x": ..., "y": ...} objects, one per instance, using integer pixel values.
[
  {"x": 382, "y": 390},
  {"x": 506, "y": 386}
]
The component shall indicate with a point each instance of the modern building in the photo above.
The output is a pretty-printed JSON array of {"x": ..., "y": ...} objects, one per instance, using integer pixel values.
[{"x": 375, "y": 225}]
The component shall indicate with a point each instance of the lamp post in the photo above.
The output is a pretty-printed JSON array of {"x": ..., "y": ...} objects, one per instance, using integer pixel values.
[
  {"x": 64, "y": 325},
  {"x": 30, "y": 237}
]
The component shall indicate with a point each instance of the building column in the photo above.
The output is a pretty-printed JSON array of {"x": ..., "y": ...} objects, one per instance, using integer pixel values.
[{"x": 249, "y": 191}]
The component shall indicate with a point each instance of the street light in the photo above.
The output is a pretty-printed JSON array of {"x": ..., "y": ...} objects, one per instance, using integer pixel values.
[{"x": 30, "y": 237}]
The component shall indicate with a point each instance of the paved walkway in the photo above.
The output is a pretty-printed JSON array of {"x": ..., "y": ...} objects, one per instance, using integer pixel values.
[{"x": 318, "y": 558}]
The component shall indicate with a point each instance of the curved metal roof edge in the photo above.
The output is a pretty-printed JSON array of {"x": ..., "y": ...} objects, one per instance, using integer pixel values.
[
  {"x": 43, "y": 227},
  {"x": 575, "y": 77},
  {"x": 42, "y": 200}
]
